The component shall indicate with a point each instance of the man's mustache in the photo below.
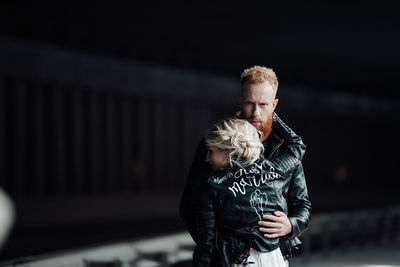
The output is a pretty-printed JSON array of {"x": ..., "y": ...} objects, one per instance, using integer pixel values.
[{"x": 255, "y": 119}]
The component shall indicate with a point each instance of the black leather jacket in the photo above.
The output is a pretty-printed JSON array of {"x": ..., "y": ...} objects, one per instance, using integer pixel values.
[{"x": 237, "y": 231}]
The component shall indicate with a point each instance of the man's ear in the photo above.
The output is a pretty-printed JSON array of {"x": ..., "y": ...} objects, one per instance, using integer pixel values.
[
  {"x": 239, "y": 98},
  {"x": 275, "y": 103},
  {"x": 239, "y": 113}
]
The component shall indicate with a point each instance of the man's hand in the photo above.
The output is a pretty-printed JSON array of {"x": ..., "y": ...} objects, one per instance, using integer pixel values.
[{"x": 276, "y": 225}]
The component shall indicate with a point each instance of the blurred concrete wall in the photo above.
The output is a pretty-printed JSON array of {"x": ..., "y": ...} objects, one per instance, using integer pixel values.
[{"x": 88, "y": 139}]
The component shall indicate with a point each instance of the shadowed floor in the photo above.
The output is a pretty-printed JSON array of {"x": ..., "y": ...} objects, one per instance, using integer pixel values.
[{"x": 382, "y": 256}]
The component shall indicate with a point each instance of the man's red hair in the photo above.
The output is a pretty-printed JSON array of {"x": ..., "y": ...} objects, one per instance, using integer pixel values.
[{"x": 258, "y": 74}]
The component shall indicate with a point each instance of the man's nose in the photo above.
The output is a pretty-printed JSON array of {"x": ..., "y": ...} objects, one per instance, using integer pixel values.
[
  {"x": 256, "y": 111},
  {"x": 207, "y": 157}
]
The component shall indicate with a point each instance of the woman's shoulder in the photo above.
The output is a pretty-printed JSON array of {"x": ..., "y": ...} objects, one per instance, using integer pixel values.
[{"x": 220, "y": 176}]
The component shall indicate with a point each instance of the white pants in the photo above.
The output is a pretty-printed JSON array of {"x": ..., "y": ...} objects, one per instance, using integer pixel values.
[{"x": 265, "y": 259}]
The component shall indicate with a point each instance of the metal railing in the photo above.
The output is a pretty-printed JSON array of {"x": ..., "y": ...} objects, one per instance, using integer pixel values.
[{"x": 352, "y": 229}]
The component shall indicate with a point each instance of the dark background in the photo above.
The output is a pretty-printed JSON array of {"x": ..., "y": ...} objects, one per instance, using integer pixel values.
[
  {"x": 349, "y": 46},
  {"x": 337, "y": 65}
]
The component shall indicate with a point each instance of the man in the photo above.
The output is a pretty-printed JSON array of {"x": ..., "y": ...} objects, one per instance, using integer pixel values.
[{"x": 257, "y": 103}]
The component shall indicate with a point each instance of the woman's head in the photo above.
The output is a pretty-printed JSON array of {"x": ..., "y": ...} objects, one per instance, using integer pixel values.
[{"x": 230, "y": 139}]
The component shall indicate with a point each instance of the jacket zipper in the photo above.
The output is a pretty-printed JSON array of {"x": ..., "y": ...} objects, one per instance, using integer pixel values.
[{"x": 275, "y": 148}]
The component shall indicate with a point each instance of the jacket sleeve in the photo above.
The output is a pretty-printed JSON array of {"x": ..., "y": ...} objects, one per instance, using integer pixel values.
[
  {"x": 288, "y": 159},
  {"x": 203, "y": 253},
  {"x": 299, "y": 205},
  {"x": 189, "y": 205}
]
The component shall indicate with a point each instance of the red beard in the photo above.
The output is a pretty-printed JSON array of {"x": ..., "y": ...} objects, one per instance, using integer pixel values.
[{"x": 266, "y": 127}]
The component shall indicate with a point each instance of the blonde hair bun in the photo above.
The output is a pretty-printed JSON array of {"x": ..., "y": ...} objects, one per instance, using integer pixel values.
[{"x": 238, "y": 137}]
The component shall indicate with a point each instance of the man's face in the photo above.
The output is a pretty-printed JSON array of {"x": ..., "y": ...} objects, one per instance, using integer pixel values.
[{"x": 257, "y": 103}]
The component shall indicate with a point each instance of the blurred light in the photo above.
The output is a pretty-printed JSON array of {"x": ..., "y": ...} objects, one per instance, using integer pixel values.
[
  {"x": 340, "y": 174},
  {"x": 7, "y": 216}
]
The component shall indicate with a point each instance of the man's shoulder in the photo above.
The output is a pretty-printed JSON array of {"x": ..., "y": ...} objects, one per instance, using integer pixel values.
[{"x": 271, "y": 142}]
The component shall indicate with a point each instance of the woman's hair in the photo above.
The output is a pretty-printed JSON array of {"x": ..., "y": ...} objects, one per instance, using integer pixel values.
[{"x": 239, "y": 138}]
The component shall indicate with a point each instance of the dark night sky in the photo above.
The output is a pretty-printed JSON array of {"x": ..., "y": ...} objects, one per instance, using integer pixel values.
[{"x": 347, "y": 46}]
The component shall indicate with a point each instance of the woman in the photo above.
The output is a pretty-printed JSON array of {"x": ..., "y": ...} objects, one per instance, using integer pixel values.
[{"x": 242, "y": 188}]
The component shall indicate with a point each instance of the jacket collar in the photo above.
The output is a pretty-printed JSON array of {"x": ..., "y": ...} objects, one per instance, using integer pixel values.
[{"x": 271, "y": 144}]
